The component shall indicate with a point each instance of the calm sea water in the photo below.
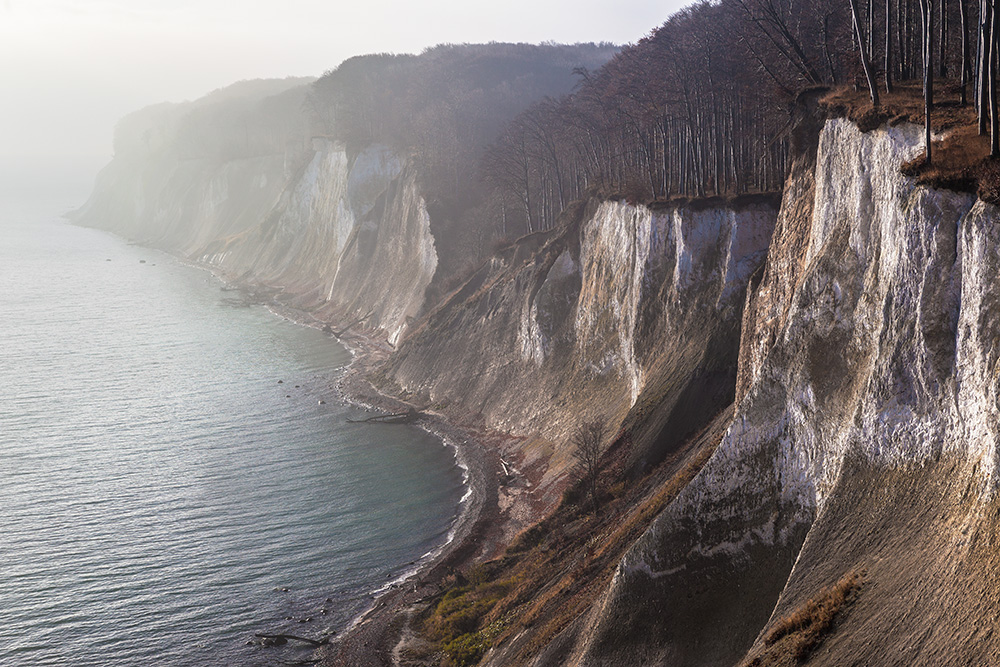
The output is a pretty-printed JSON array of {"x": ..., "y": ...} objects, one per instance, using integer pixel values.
[{"x": 159, "y": 489}]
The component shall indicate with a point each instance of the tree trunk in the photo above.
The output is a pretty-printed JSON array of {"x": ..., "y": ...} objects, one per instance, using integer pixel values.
[
  {"x": 983, "y": 66},
  {"x": 826, "y": 49},
  {"x": 964, "y": 15},
  {"x": 865, "y": 61},
  {"x": 943, "y": 41},
  {"x": 927, "y": 12},
  {"x": 888, "y": 46},
  {"x": 992, "y": 70},
  {"x": 871, "y": 29},
  {"x": 283, "y": 637}
]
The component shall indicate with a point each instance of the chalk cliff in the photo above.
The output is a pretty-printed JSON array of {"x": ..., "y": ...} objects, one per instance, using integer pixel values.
[
  {"x": 863, "y": 442},
  {"x": 340, "y": 237},
  {"x": 854, "y": 328},
  {"x": 620, "y": 309},
  {"x": 346, "y": 239}
]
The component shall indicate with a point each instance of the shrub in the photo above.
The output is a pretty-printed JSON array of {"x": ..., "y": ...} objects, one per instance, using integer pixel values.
[{"x": 466, "y": 649}]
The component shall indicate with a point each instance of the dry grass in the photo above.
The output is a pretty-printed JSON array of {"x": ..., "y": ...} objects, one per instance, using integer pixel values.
[
  {"x": 794, "y": 637},
  {"x": 904, "y": 105},
  {"x": 644, "y": 515},
  {"x": 818, "y": 613},
  {"x": 956, "y": 161},
  {"x": 597, "y": 553}
]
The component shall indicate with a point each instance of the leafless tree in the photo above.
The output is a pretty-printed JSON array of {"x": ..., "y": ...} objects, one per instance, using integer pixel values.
[
  {"x": 927, "y": 16},
  {"x": 992, "y": 70},
  {"x": 588, "y": 442},
  {"x": 983, "y": 63},
  {"x": 888, "y": 46},
  {"x": 866, "y": 62},
  {"x": 964, "y": 30}
]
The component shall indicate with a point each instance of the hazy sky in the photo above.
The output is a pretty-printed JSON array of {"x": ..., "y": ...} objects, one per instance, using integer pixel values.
[{"x": 70, "y": 68}]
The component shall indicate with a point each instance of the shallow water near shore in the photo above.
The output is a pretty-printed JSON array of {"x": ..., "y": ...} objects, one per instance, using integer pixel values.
[{"x": 160, "y": 488}]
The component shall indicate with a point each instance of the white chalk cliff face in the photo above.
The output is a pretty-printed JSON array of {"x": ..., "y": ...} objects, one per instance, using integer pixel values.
[
  {"x": 584, "y": 321},
  {"x": 637, "y": 264},
  {"x": 868, "y": 353},
  {"x": 338, "y": 237}
]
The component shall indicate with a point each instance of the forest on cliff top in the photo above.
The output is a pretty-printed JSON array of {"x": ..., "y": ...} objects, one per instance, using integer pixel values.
[{"x": 700, "y": 107}]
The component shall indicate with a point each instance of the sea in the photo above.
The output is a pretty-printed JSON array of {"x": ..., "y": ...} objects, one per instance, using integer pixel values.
[{"x": 177, "y": 472}]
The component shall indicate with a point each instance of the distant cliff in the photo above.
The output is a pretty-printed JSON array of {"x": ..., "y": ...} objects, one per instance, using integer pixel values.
[
  {"x": 319, "y": 193},
  {"x": 330, "y": 235}
]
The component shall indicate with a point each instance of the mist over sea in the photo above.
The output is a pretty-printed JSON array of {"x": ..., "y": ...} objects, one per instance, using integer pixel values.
[{"x": 159, "y": 488}]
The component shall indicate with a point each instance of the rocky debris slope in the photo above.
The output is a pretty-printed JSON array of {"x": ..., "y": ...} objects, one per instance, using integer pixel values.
[{"x": 864, "y": 440}]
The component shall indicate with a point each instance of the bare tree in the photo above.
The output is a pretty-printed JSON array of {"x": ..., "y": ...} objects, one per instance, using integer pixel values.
[
  {"x": 588, "y": 441},
  {"x": 983, "y": 63},
  {"x": 927, "y": 16},
  {"x": 772, "y": 19},
  {"x": 964, "y": 23},
  {"x": 992, "y": 71},
  {"x": 865, "y": 54}
]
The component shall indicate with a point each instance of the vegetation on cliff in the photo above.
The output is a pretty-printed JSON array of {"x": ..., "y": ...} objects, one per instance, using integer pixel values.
[
  {"x": 702, "y": 105},
  {"x": 552, "y": 572}
]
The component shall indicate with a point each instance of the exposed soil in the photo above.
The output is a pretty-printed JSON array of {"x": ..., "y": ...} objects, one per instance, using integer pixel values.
[
  {"x": 960, "y": 155},
  {"x": 794, "y": 636}
]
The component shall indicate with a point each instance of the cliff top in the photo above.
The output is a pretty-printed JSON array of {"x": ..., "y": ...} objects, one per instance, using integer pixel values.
[{"x": 960, "y": 158}]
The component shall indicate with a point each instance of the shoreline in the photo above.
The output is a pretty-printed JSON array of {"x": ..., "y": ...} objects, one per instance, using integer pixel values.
[
  {"x": 371, "y": 637},
  {"x": 368, "y": 639}
]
